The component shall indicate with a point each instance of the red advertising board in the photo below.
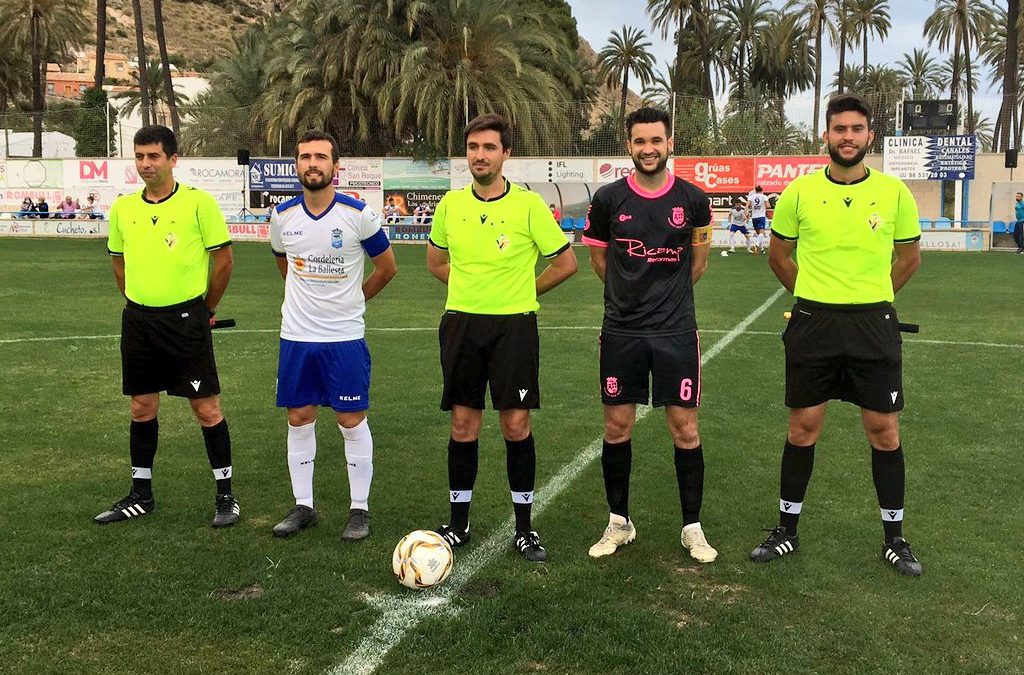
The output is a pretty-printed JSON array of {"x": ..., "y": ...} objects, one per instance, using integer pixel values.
[
  {"x": 717, "y": 174},
  {"x": 773, "y": 174},
  {"x": 739, "y": 175}
]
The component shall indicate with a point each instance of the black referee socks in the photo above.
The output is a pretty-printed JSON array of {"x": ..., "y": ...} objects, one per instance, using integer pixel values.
[
  {"x": 521, "y": 463},
  {"x": 218, "y": 449},
  {"x": 142, "y": 441},
  {"x": 889, "y": 471},
  {"x": 463, "y": 457},
  {"x": 797, "y": 465}
]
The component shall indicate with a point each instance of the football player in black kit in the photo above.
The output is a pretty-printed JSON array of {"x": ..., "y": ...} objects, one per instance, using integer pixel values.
[{"x": 649, "y": 235}]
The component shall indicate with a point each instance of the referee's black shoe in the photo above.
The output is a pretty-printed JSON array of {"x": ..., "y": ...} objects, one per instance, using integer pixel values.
[
  {"x": 529, "y": 546},
  {"x": 226, "y": 511},
  {"x": 778, "y": 544},
  {"x": 454, "y": 536},
  {"x": 898, "y": 553},
  {"x": 132, "y": 506}
]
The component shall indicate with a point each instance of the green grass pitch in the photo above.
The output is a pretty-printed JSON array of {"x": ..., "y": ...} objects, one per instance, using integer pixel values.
[{"x": 168, "y": 594}]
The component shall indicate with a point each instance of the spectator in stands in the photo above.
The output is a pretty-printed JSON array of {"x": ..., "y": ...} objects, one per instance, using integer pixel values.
[
  {"x": 67, "y": 208},
  {"x": 391, "y": 211},
  {"x": 556, "y": 213},
  {"x": 1018, "y": 227},
  {"x": 41, "y": 208},
  {"x": 92, "y": 208},
  {"x": 27, "y": 207}
]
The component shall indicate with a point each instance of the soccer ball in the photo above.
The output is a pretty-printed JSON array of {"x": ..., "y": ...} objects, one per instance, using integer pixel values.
[
  {"x": 422, "y": 559},
  {"x": 725, "y": 254}
]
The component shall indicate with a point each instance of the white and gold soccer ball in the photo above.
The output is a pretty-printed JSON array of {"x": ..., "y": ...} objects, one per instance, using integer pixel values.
[{"x": 422, "y": 559}]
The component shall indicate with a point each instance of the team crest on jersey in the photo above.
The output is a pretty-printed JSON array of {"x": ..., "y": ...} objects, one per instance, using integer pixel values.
[
  {"x": 300, "y": 264},
  {"x": 874, "y": 221},
  {"x": 171, "y": 240},
  {"x": 611, "y": 386},
  {"x": 503, "y": 242},
  {"x": 336, "y": 238},
  {"x": 678, "y": 218}
]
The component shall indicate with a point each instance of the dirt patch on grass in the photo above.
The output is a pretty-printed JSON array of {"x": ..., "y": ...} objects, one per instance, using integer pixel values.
[
  {"x": 484, "y": 588},
  {"x": 246, "y": 593}
]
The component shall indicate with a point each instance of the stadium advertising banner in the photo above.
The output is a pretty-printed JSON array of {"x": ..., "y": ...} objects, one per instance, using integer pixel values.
[
  {"x": 222, "y": 178},
  {"x": 775, "y": 173},
  {"x": 407, "y": 201},
  {"x": 249, "y": 231},
  {"x": 566, "y": 170},
  {"x": 33, "y": 178},
  {"x": 736, "y": 176},
  {"x": 408, "y": 174},
  {"x": 105, "y": 178},
  {"x": 930, "y": 157},
  {"x": 273, "y": 175},
  {"x": 610, "y": 169},
  {"x": 954, "y": 240}
]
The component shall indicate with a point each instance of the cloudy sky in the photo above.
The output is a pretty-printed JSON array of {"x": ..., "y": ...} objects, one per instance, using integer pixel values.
[{"x": 595, "y": 19}]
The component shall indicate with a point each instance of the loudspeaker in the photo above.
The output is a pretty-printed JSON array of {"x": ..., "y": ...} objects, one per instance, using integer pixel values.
[
  {"x": 1011, "y": 158},
  {"x": 243, "y": 157}
]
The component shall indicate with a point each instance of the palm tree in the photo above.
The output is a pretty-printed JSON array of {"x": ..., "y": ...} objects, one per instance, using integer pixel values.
[
  {"x": 844, "y": 34},
  {"x": 783, "y": 62},
  {"x": 15, "y": 83},
  {"x": 922, "y": 74},
  {"x": 101, "y": 44},
  {"x": 142, "y": 78},
  {"x": 983, "y": 130},
  {"x": 868, "y": 17},
  {"x": 1010, "y": 68},
  {"x": 155, "y": 85},
  {"x": 961, "y": 23},
  {"x": 626, "y": 52},
  {"x": 44, "y": 28},
  {"x": 745, "y": 20},
  {"x": 817, "y": 18},
  {"x": 161, "y": 40}
]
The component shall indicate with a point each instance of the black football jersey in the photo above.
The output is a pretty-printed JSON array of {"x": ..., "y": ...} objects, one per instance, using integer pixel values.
[{"x": 648, "y": 288}]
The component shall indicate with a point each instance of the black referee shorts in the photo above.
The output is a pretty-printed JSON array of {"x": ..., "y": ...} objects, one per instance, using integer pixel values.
[
  {"x": 848, "y": 352},
  {"x": 503, "y": 350},
  {"x": 168, "y": 349}
]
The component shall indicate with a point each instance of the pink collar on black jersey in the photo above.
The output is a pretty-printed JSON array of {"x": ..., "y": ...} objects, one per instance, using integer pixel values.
[{"x": 631, "y": 182}]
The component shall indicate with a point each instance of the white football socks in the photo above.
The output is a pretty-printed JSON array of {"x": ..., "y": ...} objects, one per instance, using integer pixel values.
[
  {"x": 359, "y": 457},
  {"x": 301, "y": 454}
]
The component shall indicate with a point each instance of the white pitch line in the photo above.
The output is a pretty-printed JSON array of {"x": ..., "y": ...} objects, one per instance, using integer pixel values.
[{"x": 401, "y": 613}]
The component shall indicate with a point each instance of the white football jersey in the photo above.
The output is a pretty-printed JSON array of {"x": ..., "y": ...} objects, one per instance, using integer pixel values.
[
  {"x": 758, "y": 202},
  {"x": 737, "y": 216},
  {"x": 323, "y": 292}
]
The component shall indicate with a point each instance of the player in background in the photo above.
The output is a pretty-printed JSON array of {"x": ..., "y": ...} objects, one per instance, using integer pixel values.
[
  {"x": 484, "y": 244},
  {"x": 649, "y": 236},
  {"x": 162, "y": 239},
  {"x": 738, "y": 225},
  {"x": 321, "y": 240},
  {"x": 845, "y": 223},
  {"x": 757, "y": 210}
]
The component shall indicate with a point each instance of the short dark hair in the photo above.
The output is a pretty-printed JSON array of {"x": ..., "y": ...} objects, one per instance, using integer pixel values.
[
  {"x": 155, "y": 133},
  {"x": 317, "y": 135},
  {"x": 490, "y": 122},
  {"x": 847, "y": 103},
  {"x": 759, "y": 189},
  {"x": 648, "y": 116}
]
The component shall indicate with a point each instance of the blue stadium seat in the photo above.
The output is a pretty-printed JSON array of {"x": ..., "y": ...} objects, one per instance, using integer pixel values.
[
  {"x": 568, "y": 224},
  {"x": 581, "y": 223},
  {"x": 943, "y": 224},
  {"x": 926, "y": 224},
  {"x": 998, "y": 227}
]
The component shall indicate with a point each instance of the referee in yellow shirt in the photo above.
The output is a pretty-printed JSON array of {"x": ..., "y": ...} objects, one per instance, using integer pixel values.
[
  {"x": 161, "y": 241},
  {"x": 845, "y": 223},
  {"x": 484, "y": 244}
]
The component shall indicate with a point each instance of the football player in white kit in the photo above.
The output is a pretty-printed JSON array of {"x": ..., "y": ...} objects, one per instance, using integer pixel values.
[
  {"x": 757, "y": 209},
  {"x": 321, "y": 240}
]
